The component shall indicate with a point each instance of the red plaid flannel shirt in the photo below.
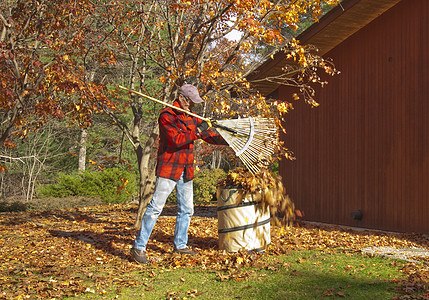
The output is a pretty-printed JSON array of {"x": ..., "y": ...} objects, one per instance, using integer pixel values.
[{"x": 177, "y": 133}]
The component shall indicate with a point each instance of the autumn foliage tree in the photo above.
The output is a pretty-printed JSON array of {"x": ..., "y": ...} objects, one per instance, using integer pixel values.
[
  {"x": 188, "y": 41},
  {"x": 53, "y": 54},
  {"x": 44, "y": 48}
]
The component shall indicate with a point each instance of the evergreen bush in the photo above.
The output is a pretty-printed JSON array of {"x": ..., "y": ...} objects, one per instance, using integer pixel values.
[
  {"x": 204, "y": 186},
  {"x": 111, "y": 185}
]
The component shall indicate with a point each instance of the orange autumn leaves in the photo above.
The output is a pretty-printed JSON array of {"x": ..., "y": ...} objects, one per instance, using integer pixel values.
[
  {"x": 42, "y": 66},
  {"x": 61, "y": 253},
  {"x": 267, "y": 188}
]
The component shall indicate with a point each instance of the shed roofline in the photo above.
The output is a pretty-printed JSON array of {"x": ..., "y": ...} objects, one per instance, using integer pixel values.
[{"x": 333, "y": 28}]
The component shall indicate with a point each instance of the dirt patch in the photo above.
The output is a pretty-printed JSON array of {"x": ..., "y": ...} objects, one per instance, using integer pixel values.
[
  {"x": 407, "y": 254},
  {"x": 16, "y": 204}
]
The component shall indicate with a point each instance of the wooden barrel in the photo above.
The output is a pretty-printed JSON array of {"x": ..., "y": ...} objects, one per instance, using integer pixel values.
[{"x": 242, "y": 221}]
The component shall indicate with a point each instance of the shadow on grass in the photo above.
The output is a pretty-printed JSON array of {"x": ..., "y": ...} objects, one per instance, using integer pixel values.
[
  {"x": 316, "y": 284},
  {"x": 119, "y": 232},
  {"x": 105, "y": 241},
  {"x": 102, "y": 241}
]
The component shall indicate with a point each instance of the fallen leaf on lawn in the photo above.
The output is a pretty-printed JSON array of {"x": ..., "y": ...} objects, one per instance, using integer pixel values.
[{"x": 77, "y": 251}]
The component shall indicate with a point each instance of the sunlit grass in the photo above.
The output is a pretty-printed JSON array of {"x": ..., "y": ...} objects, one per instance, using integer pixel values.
[{"x": 298, "y": 275}]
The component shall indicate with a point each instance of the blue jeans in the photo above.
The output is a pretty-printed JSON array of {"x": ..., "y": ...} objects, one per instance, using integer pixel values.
[{"x": 185, "y": 206}]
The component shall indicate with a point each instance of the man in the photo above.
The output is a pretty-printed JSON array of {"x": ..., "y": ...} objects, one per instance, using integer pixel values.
[{"x": 177, "y": 133}]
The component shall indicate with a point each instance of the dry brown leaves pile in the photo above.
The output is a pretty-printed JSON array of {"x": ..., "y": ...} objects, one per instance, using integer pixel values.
[
  {"x": 72, "y": 252},
  {"x": 269, "y": 188}
]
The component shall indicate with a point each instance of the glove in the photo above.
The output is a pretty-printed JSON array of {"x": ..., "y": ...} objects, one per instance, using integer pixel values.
[{"x": 203, "y": 126}]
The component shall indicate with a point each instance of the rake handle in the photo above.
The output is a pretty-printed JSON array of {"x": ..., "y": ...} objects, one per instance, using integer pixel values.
[
  {"x": 165, "y": 103},
  {"x": 213, "y": 123}
]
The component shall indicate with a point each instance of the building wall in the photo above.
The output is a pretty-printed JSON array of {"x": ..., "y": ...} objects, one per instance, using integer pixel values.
[{"x": 366, "y": 147}]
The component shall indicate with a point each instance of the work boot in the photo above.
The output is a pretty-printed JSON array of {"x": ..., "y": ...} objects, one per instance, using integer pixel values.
[
  {"x": 139, "y": 256},
  {"x": 185, "y": 250}
]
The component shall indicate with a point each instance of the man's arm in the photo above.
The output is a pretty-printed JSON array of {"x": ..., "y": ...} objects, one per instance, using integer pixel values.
[
  {"x": 175, "y": 134},
  {"x": 211, "y": 136}
]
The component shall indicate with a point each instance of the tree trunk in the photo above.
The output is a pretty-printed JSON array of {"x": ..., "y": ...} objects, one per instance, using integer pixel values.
[
  {"x": 82, "y": 150},
  {"x": 146, "y": 165},
  {"x": 216, "y": 159},
  {"x": 147, "y": 175}
]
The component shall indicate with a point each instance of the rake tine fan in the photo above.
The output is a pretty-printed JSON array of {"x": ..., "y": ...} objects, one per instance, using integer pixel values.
[{"x": 252, "y": 139}]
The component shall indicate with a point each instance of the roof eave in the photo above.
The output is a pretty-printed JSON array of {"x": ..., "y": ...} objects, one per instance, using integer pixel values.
[{"x": 333, "y": 28}]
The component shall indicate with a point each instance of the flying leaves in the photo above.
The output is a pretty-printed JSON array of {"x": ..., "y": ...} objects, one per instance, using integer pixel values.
[{"x": 267, "y": 188}]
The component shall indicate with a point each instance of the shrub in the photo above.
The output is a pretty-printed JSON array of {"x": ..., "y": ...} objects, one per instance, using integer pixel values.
[
  {"x": 111, "y": 185},
  {"x": 12, "y": 206},
  {"x": 204, "y": 186}
]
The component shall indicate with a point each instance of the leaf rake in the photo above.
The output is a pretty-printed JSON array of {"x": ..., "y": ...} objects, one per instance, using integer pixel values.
[{"x": 253, "y": 139}]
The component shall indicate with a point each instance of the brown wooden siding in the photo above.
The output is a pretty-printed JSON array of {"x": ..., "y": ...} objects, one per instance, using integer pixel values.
[{"x": 366, "y": 146}]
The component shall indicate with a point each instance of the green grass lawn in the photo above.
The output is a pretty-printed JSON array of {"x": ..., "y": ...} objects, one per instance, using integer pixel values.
[{"x": 298, "y": 275}]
